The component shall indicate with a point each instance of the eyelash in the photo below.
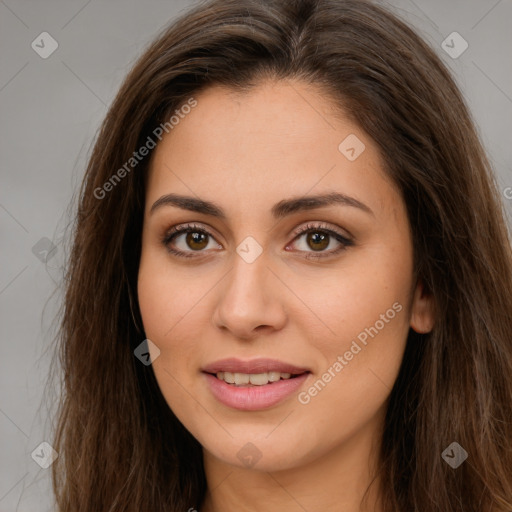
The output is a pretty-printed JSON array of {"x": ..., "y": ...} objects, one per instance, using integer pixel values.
[{"x": 192, "y": 228}]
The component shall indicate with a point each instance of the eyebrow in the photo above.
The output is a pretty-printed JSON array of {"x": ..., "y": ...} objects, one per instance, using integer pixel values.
[{"x": 279, "y": 210}]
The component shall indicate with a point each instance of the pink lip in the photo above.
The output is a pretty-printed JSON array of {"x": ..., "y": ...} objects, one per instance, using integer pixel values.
[
  {"x": 253, "y": 398},
  {"x": 255, "y": 366}
]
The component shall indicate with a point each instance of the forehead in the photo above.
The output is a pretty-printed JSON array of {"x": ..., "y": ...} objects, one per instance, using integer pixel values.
[{"x": 279, "y": 139}]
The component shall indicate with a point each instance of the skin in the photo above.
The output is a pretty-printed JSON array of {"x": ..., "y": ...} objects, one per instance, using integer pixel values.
[{"x": 246, "y": 152}]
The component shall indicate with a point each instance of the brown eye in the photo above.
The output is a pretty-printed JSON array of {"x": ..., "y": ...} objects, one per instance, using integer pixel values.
[
  {"x": 184, "y": 240},
  {"x": 196, "y": 240},
  {"x": 313, "y": 240},
  {"x": 317, "y": 240}
]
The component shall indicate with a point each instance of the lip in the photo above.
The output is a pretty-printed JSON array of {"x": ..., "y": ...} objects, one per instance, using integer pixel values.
[
  {"x": 255, "y": 366},
  {"x": 254, "y": 398}
]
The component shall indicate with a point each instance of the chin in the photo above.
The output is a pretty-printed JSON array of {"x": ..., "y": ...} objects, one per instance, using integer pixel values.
[{"x": 260, "y": 454}]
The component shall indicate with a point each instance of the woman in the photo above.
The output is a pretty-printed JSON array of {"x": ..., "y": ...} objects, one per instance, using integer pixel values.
[{"x": 290, "y": 280}]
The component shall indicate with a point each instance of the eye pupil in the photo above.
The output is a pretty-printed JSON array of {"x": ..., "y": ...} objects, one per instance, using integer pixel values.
[
  {"x": 195, "y": 237},
  {"x": 317, "y": 237}
]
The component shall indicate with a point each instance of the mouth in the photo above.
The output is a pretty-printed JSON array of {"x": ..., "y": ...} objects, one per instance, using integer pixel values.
[{"x": 253, "y": 385}]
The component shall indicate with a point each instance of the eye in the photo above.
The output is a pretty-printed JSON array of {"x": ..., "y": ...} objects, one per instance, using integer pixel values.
[
  {"x": 195, "y": 238},
  {"x": 318, "y": 238}
]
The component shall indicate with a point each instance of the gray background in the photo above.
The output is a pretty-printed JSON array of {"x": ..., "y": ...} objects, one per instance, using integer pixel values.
[{"x": 50, "y": 111}]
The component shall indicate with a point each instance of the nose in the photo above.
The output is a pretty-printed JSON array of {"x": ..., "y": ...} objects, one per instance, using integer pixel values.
[{"x": 251, "y": 300}]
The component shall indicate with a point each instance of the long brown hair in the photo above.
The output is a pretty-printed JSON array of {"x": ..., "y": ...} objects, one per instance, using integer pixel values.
[{"x": 120, "y": 446}]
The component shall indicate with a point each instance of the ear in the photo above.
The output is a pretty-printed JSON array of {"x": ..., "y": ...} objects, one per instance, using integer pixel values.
[{"x": 422, "y": 310}]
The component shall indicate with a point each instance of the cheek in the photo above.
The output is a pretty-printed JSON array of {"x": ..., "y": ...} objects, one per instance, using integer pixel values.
[
  {"x": 355, "y": 296},
  {"x": 360, "y": 357},
  {"x": 364, "y": 311},
  {"x": 172, "y": 303},
  {"x": 166, "y": 294},
  {"x": 165, "y": 315}
]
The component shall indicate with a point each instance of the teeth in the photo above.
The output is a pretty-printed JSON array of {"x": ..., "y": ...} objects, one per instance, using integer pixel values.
[
  {"x": 274, "y": 376},
  {"x": 258, "y": 379},
  {"x": 228, "y": 377},
  {"x": 253, "y": 379},
  {"x": 241, "y": 379}
]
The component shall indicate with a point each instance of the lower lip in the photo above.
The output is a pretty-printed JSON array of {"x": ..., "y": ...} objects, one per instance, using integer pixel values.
[{"x": 253, "y": 398}]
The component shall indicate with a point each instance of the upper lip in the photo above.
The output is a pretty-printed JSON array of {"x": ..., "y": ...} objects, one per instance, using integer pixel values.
[{"x": 253, "y": 366}]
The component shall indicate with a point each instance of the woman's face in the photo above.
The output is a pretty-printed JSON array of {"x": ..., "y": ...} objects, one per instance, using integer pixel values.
[{"x": 332, "y": 305}]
